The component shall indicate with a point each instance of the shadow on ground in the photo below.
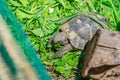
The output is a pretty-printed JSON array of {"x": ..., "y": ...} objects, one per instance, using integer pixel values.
[{"x": 79, "y": 67}]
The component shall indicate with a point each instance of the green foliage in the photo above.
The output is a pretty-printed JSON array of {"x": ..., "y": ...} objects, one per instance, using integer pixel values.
[
  {"x": 41, "y": 20},
  {"x": 67, "y": 64}
]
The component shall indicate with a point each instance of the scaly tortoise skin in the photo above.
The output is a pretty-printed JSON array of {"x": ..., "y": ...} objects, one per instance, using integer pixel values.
[{"x": 76, "y": 32}]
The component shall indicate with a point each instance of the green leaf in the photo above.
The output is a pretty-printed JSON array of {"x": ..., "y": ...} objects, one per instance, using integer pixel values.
[
  {"x": 24, "y": 2},
  {"x": 60, "y": 69},
  {"x": 62, "y": 2},
  {"x": 90, "y": 4},
  {"x": 38, "y": 32},
  {"x": 21, "y": 13},
  {"x": 72, "y": 62},
  {"x": 67, "y": 73},
  {"x": 68, "y": 67},
  {"x": 15, "y": 3}
]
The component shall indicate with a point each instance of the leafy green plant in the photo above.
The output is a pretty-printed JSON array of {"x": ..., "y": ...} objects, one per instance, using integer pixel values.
[{"x": 41, "y": 19}]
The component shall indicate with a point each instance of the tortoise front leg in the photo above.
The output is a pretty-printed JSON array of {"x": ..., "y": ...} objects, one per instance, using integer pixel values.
[{"x": 62, "y": 51}]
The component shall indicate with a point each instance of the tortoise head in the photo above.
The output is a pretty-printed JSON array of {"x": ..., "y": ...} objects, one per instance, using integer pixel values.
[{"x": 60, "y": 38}]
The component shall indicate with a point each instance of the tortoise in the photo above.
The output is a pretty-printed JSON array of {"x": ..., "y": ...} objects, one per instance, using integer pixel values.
[{"x": 76, "y": 32}]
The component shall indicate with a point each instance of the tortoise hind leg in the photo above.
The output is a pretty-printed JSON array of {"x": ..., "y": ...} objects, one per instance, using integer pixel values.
[{"x": 62, "y": 51}]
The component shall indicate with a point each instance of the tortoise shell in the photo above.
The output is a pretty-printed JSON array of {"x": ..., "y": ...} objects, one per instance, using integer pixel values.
[
  {"x": 77, "y": 32},
  {"x": 80, "y": 29}
]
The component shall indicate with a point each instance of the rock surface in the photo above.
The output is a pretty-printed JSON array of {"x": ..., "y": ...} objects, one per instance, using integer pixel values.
[{"x": 102, "y": 58}]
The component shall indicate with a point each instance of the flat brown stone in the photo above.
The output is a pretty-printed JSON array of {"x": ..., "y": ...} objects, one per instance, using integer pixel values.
[{"x": 102, "y": 59}]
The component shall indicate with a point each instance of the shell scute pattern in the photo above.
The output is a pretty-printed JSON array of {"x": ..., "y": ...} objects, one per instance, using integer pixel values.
[{"x": 84, "y": 28}]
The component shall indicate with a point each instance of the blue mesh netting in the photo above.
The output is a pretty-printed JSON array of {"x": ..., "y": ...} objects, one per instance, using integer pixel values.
[{"x": 22, "y": 40}]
